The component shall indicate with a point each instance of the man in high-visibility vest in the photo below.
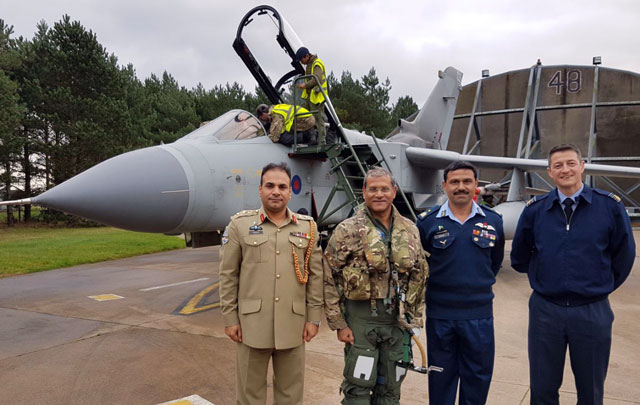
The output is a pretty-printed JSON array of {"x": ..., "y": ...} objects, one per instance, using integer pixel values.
[
  {"x": 279, "y": 119},
  {"x": 313, "y": 97}
]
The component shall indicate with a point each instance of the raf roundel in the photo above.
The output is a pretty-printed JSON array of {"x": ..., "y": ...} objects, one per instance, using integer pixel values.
[{"x": 296, "y": 184}]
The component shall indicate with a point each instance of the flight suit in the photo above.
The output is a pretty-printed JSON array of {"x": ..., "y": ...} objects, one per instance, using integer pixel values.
[
  {"x": 362, "y": 258},
  {"x": 313, "y": 99},
  {"x": 261, "y": 268}
]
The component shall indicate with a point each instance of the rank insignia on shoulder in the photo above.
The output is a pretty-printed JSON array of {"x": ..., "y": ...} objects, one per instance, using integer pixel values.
[
  {"x": 244, "y": 213},
  {"x": 615, "y": 197},
  {"x": 531, "y": 201},
  {"x": 424, "y": 214}
]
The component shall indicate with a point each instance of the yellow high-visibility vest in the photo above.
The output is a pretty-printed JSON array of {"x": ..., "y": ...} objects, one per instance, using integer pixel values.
[
  {"x": 285, "y": 110},
  {"x": 316, "y": 95}
]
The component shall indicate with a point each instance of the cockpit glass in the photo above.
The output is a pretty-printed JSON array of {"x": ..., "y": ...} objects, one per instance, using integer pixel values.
[
  {"x": 291, "y": 35},
  {"x": 234, "y": 125}
]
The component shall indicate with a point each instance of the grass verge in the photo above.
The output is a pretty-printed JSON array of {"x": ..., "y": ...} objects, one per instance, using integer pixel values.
[{"x": 29, "y": 250}]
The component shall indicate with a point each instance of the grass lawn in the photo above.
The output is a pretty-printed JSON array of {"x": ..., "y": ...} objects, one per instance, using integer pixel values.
[{"x": 28, "y": 250}]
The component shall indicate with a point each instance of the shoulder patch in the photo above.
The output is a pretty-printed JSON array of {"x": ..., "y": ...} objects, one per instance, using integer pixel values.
[{"x": 245, "y": 213}]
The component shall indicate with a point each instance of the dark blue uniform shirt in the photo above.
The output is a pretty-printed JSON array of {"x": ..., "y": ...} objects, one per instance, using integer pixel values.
[
  {"x": 464, "y": 261},
  {"x": 578, "y": 261}
]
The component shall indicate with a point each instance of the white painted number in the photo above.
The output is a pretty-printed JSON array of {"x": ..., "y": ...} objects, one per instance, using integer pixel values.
[{"x": 573, "y": 84}]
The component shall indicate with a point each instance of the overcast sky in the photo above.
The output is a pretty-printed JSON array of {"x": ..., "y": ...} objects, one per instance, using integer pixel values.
[{"x": 406, "y": 41}]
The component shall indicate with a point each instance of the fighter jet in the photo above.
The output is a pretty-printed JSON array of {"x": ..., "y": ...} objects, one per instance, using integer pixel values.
[{"x": 195, "y": 184}]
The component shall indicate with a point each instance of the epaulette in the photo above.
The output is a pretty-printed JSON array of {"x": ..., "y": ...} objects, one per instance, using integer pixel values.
[
  {"x": 245, "y": 213},
  {"x": 613, "y": 196},
  {"x": 303, "y": 217},
  {"x": 429, "y": 211},
  {"x": 491, "y": 209},
  {"x": 536, "y": 198}
]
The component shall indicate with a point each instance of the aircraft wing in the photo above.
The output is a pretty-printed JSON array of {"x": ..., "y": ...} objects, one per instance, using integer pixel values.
[{"x": 439, "y": 159}]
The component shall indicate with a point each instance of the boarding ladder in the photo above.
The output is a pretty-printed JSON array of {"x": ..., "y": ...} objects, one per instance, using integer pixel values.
[{"x": 349, "y": 162}]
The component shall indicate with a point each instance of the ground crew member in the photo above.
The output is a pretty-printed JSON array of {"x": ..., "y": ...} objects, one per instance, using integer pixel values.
[
  {"x": 487, "y": 201},
  {"x": 271, "y": 291},
  {"x": 376, "y": 271},
  {"x": 576, "y": 245},
  {"x": 313, "y": 99},
  {"x": 466, "y": 246},
  {"x": 280, "y": 118}
]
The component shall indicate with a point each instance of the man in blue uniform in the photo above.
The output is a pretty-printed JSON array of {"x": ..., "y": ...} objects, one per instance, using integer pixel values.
[
  {"x": 466, "y": 246},
  {"x": 576, "y": 244}
]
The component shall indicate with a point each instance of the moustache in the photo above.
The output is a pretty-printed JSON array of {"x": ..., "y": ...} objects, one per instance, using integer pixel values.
[{"x": 461, "y": 192}]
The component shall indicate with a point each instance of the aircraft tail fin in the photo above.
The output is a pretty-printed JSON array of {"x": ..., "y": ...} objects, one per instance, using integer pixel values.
[{"x": 432, "y": 124}]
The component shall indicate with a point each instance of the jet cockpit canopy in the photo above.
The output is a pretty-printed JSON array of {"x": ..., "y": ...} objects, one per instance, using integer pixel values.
[
  {"x": 285, "y": 37},
  {"x": 232, "y": 126}
]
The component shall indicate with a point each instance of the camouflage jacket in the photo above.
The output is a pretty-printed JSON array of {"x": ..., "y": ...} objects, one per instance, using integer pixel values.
[
  {"x": 277, "y": 127},
  {"x": 357, "y": 266}
]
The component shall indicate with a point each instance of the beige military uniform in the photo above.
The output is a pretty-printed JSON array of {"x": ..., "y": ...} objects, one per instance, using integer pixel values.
[{"x": 260, "y": 291}]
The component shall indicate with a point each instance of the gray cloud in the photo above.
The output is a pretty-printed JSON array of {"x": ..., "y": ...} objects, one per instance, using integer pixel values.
[{"x": 407, "y": 41}]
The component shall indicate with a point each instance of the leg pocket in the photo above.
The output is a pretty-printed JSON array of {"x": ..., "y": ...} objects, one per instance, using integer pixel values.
[{"x": 360, "y": 366}]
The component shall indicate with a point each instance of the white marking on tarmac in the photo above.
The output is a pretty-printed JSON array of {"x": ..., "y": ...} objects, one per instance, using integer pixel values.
[
  {"x": 174, "y": 284},
  {"x": 190, "y": 400}
]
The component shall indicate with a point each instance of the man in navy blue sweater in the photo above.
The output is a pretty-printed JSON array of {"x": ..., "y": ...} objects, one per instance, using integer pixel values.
[
  {"x": 466, "y": 247},
  {"x": 576, "y": 244}
]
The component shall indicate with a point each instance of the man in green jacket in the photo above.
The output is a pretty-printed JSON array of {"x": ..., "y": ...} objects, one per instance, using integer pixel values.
[{"x": 313, "y": 99}]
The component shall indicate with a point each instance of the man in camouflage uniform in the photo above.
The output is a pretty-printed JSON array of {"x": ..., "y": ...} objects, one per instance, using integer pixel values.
[
  {"x": 374, "y": 280},
  {"x": 279, "y": 121},
  {"x": 271, "y": 291}
]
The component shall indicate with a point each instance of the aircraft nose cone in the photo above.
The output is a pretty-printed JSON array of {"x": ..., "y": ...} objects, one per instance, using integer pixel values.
[{"x": 144, "y": 190}]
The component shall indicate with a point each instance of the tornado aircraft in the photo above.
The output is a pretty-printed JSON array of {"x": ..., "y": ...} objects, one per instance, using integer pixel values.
[{"x": 195, "y": 184}]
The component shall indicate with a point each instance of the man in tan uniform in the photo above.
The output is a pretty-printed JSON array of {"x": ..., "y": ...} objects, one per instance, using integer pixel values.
[
  {"x": 374, "y": 282},
  {"x": 271, "y": 291}
]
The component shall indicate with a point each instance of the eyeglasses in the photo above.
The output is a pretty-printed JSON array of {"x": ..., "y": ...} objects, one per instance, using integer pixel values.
[{"x": 375, "y": 190}]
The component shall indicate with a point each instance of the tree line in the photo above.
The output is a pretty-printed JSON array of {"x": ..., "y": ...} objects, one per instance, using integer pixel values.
[{"x": 66, "y": 105}]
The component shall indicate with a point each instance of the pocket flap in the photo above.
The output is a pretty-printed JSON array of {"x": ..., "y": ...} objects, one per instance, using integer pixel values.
[
  {"x": 249, "y": 306},
  {"x": 485, "y": 242},
  {"x": 300, "y": 243},
  {"x": 443, "y": 243},
  {"x": 299, "y": 307},
  {"x": 255, "y": 240}
]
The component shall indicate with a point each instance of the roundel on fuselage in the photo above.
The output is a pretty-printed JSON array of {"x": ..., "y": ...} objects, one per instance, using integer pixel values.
[{"x": 296, "y": 184}]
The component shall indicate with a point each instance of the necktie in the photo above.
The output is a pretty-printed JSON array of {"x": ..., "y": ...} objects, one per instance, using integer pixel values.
[{"x": 568, "y": 203}]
